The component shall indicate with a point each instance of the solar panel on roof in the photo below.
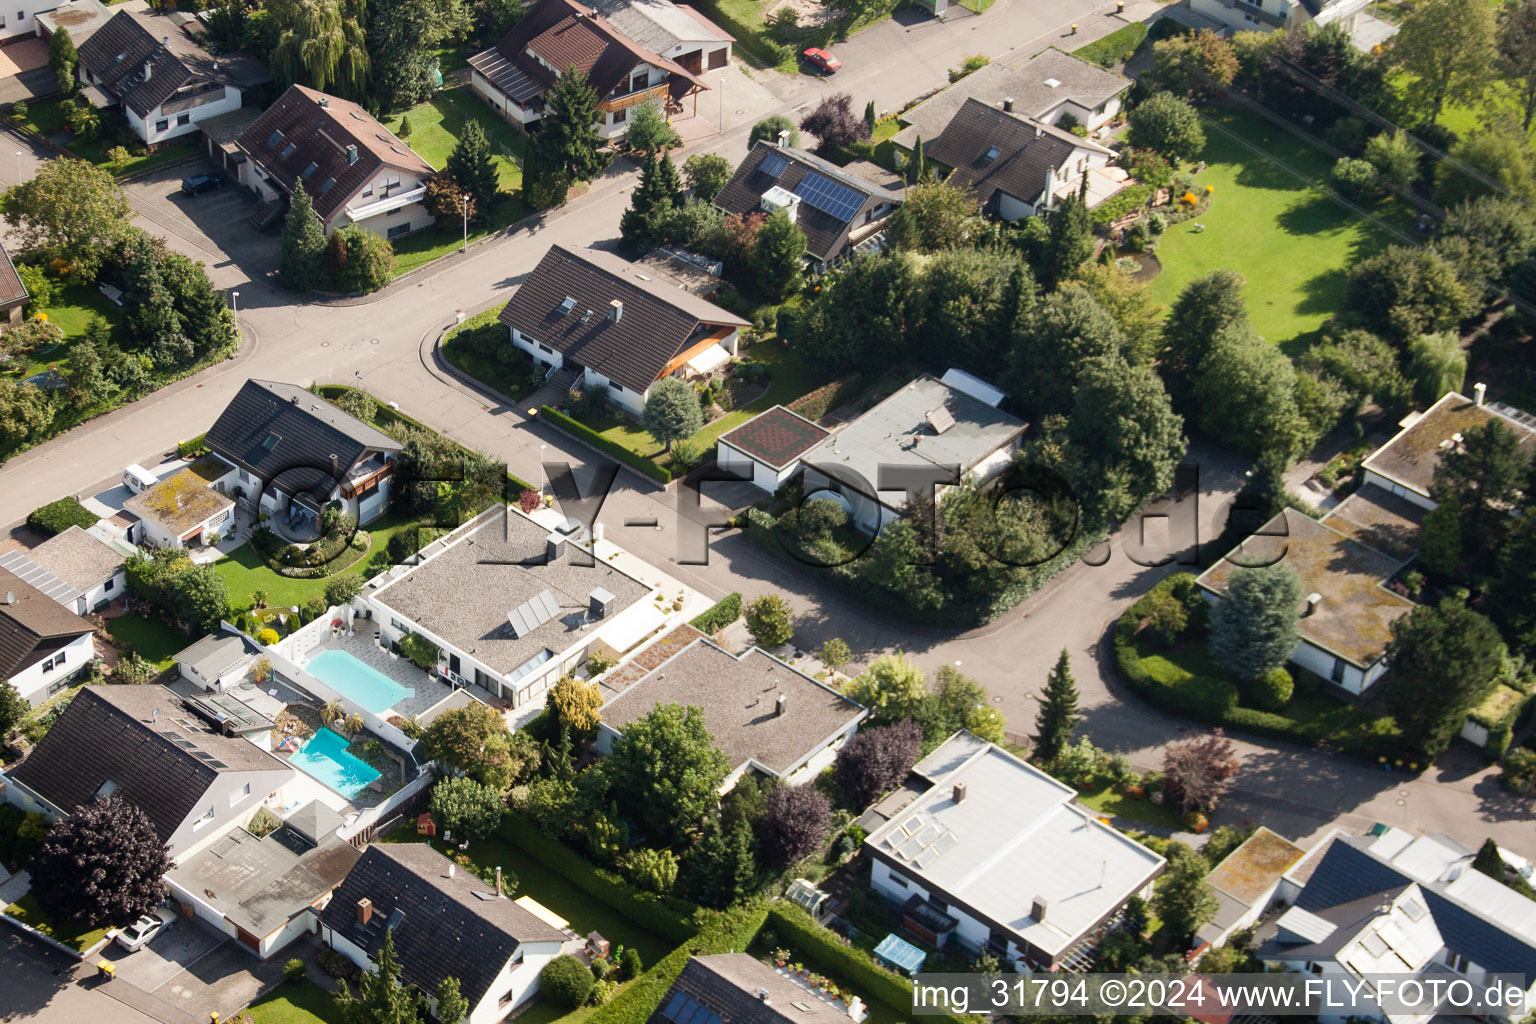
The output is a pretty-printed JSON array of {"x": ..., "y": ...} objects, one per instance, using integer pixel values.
[
  {"x": 831, "y": 198},
  {"x": 773, "y": 164},
  {"x": 533, "y": 613},
  {"x": 674, "y": 1006}
]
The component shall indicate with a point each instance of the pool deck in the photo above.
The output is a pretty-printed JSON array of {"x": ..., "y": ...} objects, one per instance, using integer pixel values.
[{"x": 428, "y": 691}]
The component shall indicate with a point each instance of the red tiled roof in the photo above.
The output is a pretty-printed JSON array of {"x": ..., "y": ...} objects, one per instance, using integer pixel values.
[{"x": 776, "y": 438}]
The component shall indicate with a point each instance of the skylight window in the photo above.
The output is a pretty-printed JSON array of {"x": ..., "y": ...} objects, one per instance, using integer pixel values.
[
  {"x": 325, "y": 186},
  {"x": 311, "y": 169},
  {"x": 274, "y": 138},
  {"x": 270, "y": 443},
  {"x": 288, "y": 151},
  {"x": 992, "y": 152}
]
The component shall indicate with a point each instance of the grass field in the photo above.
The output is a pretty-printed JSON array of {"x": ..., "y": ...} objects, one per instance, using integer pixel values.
[
  {"x": 1110, "y": 801},
  {"x": 72, "y": 310},
  {"x": 45, "y": 118},
  {"x": 295, "y": 1004},
  {"x": 1290, "y": 242},
  {"x": 509, "y": 379},
  {"x": 77, "y": 937},
  {"x": 152, "y": 639},
  {"x": 584, "y": 911}
]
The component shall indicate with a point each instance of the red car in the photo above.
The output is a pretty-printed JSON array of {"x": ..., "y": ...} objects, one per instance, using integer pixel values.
[{"x": 822, "y": 60}]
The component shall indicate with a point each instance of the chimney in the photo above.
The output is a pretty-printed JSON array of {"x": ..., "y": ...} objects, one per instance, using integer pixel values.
[
  {"x": 10, "y": 597},
  {"x": 1037, "y": 908},
  {"x": 325, "y": 101},
  {"x": 498, "y": 881},
  {"x": 599, "y": 604},
  {"x": 762, "y": 995},
  {"x": 784, "y": 139},
  {"x": 165, "y": 40},
  {"x": 364, "y": 911},
  {"x": 335, "y": 465},
  {"x": 351, "y": 155},
  {"x": 616, "y": 310},
  {"x": 154, "y": 714},
  {"x": 1103, "y": 872},
  {"x": 1313, "y": 600},
  {"x": 554, "y": 547},
  {"x": 779, "y": 704},
  {"x": 959, "y": 792},
  {"x": 1008, "y": 104},
  {"x": 149, "y": 69},
  {"x": 1480, "y": 392},
  {"x": 1038, "y": 129}
]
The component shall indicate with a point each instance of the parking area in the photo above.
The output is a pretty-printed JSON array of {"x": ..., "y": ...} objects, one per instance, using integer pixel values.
[
  {"x": 22, "y": 55},
  {"x": 181, "y": 945},
  {"x": 211, "y": 227}
]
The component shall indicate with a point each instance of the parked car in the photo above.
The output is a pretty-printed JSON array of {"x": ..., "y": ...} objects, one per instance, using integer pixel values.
[
  {"x": 822, "y": 60},
  {"x": 200, "y": 183},
  {"x": 142, "y": 932}
]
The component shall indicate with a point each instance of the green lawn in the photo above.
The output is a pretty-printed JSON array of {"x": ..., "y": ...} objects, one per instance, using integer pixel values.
[
  {"x": 1110, "y": 801},
  {"x": 307, "y": 1003},
  {"x": 585, "y": 912},
  {"x": 466, "y": 347},
  {"x": 1290, "y": 242},
  {"x": 77, "y": 937},
  {"x": 71, "y": 312},
  {"x": 44, "y": 117},
  {"x": 152, "y": 639}
]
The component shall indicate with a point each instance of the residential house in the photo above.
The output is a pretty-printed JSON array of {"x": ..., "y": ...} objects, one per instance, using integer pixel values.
[
  {"x": 266, "y": 892},
  {"x": 677, "y": 32},
  {"x": 611, "y": 326},
  {"x": 446, "y": 923},
  {"x": 13, "y": 294},
  {"x": 839, "y": 213},
  {"x": 1406, "y": 464},
  {"x": 740, "y": 988},
  {"x": 511, "y": 606},
  {"x": 196, "y": 766},
  {"x": 768, "y": 447},
  {"x": 1051, "y": 87},
  {"x": 764, "y": 716},
  {"x": 1390, "y": 902},
  {"x": 1346, "y": 622},
  {"x": 79, "y": 570},
  {"x": 1017, "y": 167},
  {"x": 555, "y": 36},
  {"x": 291, "y": 453},
  {"x": 154, "y": 67},
  {"x": 354, "y": 169},
  {"x": 998, "y": 856},
  {"x": 185, "y": 509},
  {"x": 1247, "y": 883},
  {"x": 1269, "y": 15},
  {"x": 219, "y": 661},
  {"x": 43, "y": 645}
]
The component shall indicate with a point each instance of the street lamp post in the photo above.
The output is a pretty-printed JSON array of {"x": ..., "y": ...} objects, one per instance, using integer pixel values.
[
  {"x": 465, "y": 197},
  {"x": 18, "y": 167},
  {"x": 234, "y": 298}
]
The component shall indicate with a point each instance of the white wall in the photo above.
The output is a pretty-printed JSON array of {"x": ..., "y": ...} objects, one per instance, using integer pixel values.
[
  {"x": 19, "y": 17},
  {"x": 1084, "y": 115},
  {"x": 499, "y": 102},
  {"x": 628, "y": 399},
  {"x": 103, "y": 593},
  {"x": 542, "y": 354},
  {"x": 413, "y": 218},
  {"x": 1231, "y": 16},
  {"x": 1421, "y": 500},
  {"x": 516, "y": 983},
  {"x": 763, "y": 476},
  {"x": 33, "y": 683},
  {"x": 148, "y": 128},
  {"x": 230, "y": 806}
]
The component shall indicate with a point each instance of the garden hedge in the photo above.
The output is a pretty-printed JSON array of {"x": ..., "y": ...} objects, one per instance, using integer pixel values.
[
  {"x": 815, "y": 404},
  {"x": 58, "y": 516},
  {"x": 187, "y": 449},
  {"x": 666, "y": 916},
  {"x": 586, "y": 434},
  {"x": 1119, "y": 45},
  {"x": 724, "y": 612}
]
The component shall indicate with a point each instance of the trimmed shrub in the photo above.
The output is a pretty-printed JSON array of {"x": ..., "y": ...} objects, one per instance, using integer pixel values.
[
  {"x": 565, "y": 982},
  {"x": 630, "y": 964},
  {"x": 724, "y": 612},
  {"x": 816, "y": 404},
  {"x": 294, "y": 971},
  {"x": 1273, "y": 690},
  {"x": 57, "y": 516}
]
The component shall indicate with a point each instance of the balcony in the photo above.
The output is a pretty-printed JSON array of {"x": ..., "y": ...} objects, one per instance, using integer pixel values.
[
  {"x": 384, "y": 205},
  {"x": 630, "y": 99}
]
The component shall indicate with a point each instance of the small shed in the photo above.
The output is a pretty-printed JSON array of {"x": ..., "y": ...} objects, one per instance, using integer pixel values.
[
  {"x": 900, "y": 955},
  {"x": 767, "y": 448},
  {"x": 809, "y": 899}
]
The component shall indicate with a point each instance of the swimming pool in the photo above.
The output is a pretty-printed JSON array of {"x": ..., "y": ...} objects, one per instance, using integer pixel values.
[
  {"x": 357, "y": 681},
  {"x": 326, "y": 758}
]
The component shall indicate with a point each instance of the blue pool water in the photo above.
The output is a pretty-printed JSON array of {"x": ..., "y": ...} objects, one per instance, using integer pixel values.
[
  {"x": 358, "y": 681},
  {"x": 326, "y": 758}
]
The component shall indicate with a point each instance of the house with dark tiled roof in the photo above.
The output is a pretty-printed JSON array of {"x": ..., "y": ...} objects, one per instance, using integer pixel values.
[
  {"x": 740, "y": 989},
  {"x": 446, "y": 923},
  {"x": 355, "y": 170},
  {"x": 43, "y": 645},
  {"x": 839, "y": 213},
  {"x": 1393, "y": 903},
  {"x": 291, "y": 453},
  {"x": 768, "y": 446},
  {"x": 615, "y": 326},
  {"x": 763, "y": 715},
  {"x": 193, "y": 767},
  {"x": 154, "y": 67},
  {"x": 557, "y": 35}
]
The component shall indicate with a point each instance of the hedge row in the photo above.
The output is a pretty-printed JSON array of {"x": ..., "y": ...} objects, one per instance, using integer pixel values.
[
  {"x": 584, "y": 433},
  {"x": 850, "y": 966},
  {"x": 1118, "y": 46},
  {"x": 816, "y": 404},
  {"x": 187, "y": 449},
  {"x": 724, "y": 612},
  {"x": 725, "y": 931},
  {"x": 666, "y": 916},
  {"x": 57, "y": 516}
]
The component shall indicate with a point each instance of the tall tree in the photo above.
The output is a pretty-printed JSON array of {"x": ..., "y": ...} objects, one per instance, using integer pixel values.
[
  {"x": 1246, "y": 394},
  {"x": 893, "y": 688},
  {"x": 302, "y": 259},
  {"x": 402, "y": 35},
  {"x": 1184, "y": 900},
  {"x": 666, "y": 771},
  {"x": 672, "y": 411},
  {"x": 1512, "y": 595},
  {"x": 69, "y": 210},
  {"x": 1436, "y": 364},
  {"x": 875, "y": 760},
  {"x": 834, "y": 123},
  {"x": 935, "y": 216},
  {"x": 652, "y": 200},
  {"x": 1440, "y": 539},
  {"x": 473, "y": 741},
  {"x": 771, "y": 129},
  {"x": 382, "y": 995},
  {"x": 1168, "y": 124},
  {"x": 650, "y": 133},
  {"x": 1517, "y": 54},
  {"x": 1253, "y": 625},
  {"x": 1444, "y": 659},
  {"x": 1196, "y": 63},
  {"x": 102, "y": 865},
  {"x": 567, "y": 143},
  {"x": 1403, "y": 292},
  {"x": 779, "y": 256},
  {"x": 1199, "y": 771},
  {"x": 720, "y": 870},
  {"x": 452, "y": 1007},
  {"x": 62, "y": 60},
  {"x": 1204, "y": 308},
  {"x": 322, "y": 44},
  {"x": 706, "y": 174},
  {"x": 1058, "y": 716},
  {"x": 1485, "y": 474},
  {"x": 1448, "y": 47},
  {"x": 795, "y": 823},
  {"x": 1071, "y": 240},
  {"x": 472, "y": 167},
  {"x": 1068, "y": 331}
]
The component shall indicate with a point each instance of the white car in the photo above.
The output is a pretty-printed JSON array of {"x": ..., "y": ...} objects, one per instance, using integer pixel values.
[{"x": 141, "y": 932}]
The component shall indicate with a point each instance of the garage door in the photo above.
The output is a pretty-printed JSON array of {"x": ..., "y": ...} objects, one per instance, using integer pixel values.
[{"x": 717, "y": 58}]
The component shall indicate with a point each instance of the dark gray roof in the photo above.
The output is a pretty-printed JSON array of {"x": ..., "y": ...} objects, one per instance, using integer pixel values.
[
  {"x": 729, "y": 987},
  {"x": 260, "y": 884},
  {"x": 992, "y": 150},
  {"x": 825, "y": 235},
  {"x": 118, "y": 52},
  {"x": 658, "y": 323},
  {"x": 32, "y": 625},
  {"x": 146, "y": 742},
  {"x": 270, "y": 428},
  {"x": 1083, "y": 83},
  {"x": 443, "y": 926}
]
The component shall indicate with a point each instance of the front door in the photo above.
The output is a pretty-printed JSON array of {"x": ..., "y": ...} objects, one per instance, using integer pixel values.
[{"x": 453, "y": 663}]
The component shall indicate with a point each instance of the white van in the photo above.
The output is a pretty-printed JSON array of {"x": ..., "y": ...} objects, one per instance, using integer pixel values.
[{"x": 136, "y": 478}]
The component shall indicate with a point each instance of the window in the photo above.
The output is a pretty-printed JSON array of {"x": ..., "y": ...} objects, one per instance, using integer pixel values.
[
  {"x": 21, "y": 15},
  {"x": 112, "y": 582},
  {"x": 398, "y": 230},
  {"x": 205, "y": 819},
  {"x": 48, "y": 665},
  {"x": 2, "y": 21},
  {"x": 58, "y": 687},
  {"x": 162, "y": 124},
  {"x": 638, "y": 80},
  {"x": 1337, "y": 675},
  {"x": 396, "y": 624},
  {"x": 183, "y": 119},
  {"x": 395, "y": 212},
  {"x": 615, "y": 385},
  {"x": 1314, "y": 967},
  {"x": 288, "y": 151},
  {"x": 274, "y": 139},
  {"x": 620, "y": 116},
  {"x": 238, "y": 795},
  {"x": 311, "y": 168},
  {"x": 369, "y": 190}
]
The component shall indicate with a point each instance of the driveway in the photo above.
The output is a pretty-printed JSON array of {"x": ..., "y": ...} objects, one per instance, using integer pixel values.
[
  {"x": 175, "y": 949},
  {"x": 211, "y": 227}
]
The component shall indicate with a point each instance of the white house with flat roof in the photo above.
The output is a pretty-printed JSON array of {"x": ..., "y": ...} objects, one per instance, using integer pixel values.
[
  {"x": 1406, "y": 464},
  {"x": 1000, "y": 857}
]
